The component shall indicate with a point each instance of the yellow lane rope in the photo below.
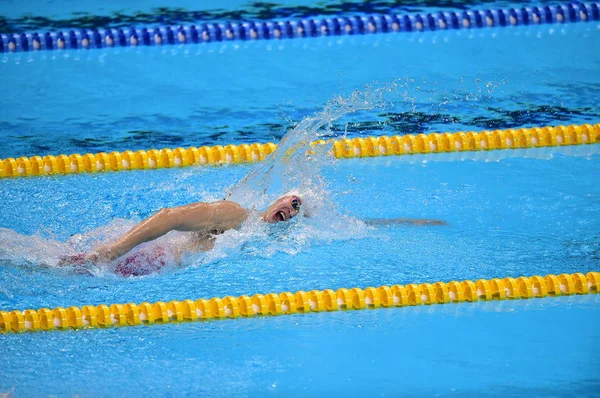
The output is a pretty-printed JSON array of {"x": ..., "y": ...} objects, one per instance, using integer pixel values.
[
  {"x": 105, "y": 316},
  {"x": 344, "y": 148}
]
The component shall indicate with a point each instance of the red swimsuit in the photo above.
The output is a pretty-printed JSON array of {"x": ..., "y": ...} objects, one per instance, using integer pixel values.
[{"x": 142, "y": 262}]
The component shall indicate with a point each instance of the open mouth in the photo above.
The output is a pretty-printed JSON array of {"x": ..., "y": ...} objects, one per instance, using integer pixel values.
[{"x": 280, "y": 216}]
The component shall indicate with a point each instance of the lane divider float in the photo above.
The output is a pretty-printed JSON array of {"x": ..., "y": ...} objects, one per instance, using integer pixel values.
[
  {"x": 344, "y": 148},
  {"x": 300, "y": 302},
  {"x": 290, "y": 29}
]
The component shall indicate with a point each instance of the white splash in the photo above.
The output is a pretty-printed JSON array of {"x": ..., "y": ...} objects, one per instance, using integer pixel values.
[{"x": 296, "y": 167}]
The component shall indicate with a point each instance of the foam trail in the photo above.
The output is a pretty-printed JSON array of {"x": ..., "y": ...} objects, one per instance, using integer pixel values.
[
  {"x": 35, "y": 250},
  {"x": 31, "y": 250}
]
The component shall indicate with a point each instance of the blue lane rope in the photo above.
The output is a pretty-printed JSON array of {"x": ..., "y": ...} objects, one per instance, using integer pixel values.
[{"x": 334, "y": 26}]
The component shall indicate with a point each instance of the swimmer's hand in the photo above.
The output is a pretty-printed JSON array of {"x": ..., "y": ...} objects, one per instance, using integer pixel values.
[
  {"x": 78, "y": 262},
  {"x": 102, "y": 254}
]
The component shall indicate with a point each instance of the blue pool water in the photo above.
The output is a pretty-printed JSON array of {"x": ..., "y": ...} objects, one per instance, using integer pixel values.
[
  {"x": 509, "y": 217},
  {"x": 535, "y": 212},
  {"x": 515, "y": 348},
  {"x": 509, "y": 213},
  {"x": 138, "y": 98}
]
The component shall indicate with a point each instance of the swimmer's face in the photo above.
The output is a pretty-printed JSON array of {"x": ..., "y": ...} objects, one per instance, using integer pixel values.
[{"x": 282, "y": 209}]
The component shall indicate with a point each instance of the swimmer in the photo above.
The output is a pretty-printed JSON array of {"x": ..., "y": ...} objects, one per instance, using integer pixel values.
[{"x": 203, "y": 220}]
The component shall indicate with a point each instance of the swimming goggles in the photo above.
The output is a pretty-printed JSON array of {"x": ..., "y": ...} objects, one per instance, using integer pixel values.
[{"x": 296, "y": 204}]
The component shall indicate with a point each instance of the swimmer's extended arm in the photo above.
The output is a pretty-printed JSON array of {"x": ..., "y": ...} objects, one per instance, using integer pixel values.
[
  {"x": 201, "y": 217},
  {"x": 405, "y": 221}
]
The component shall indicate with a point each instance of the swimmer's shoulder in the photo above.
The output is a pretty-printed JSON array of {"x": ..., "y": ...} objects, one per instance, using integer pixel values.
[
  {"x": 229, "y": 214},
  {"x": 227, "y": 206}
]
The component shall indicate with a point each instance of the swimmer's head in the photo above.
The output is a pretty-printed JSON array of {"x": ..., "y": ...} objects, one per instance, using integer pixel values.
[{"x": 282, "y": 209}]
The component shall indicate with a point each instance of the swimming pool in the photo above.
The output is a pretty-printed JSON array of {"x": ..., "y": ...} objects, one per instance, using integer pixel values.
[{"x": 510, "y": 213}]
